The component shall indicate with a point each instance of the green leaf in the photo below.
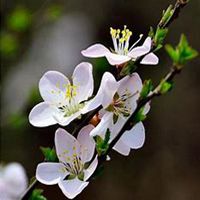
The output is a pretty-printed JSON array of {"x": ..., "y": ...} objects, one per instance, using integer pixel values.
[
  {"x": 166, "y": 15},
  {"x": 172, "y": 53},
  {"x": 160, "y": 35},
  {"x": 182, "y": 53},
  {"x": 139, "y": 116},
  {"x": 49, "y": 154},
  {"x": 102, "y": 145},
  {"x": 147, "y": 87},
  {"x": 165, "y": 87},
  {"x": 37, "y": 195}
]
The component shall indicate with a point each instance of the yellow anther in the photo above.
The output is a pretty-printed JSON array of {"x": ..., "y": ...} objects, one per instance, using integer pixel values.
[
  {"x": 74, "y": 155},
  {"x": 52, "y": 91},
  {"x": 74, "y": 148},
  {"x": 68, "y": 158}
]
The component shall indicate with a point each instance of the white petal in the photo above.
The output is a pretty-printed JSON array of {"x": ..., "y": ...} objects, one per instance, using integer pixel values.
[
  {"x": 83, "y": 80},
  {"x": 122, "y": 148},
  {"x": 104, "y": 96},
  {"x": 66, "y": 145},
  {"x": 135, "y": 137},
  {"x": 50, "y": 173},
  {"x": 64, "y": 121},
  {"x": 103, "y": 125},
  {"x": 87, "y": 143},
  {"x": 42, "y": 115},
  {"x": 147, "y": 108},
  {"x": 90, "y": 170},
  {"x": 14, "y": 179},
  {"x": 133, "y": 85},
  {"x": 116, "y": 59},
  {"x": 52, "y": 86},
  {"x": 95, "y": 51},
  {"x": 141, "y": 50},
  {"x": 150, "y": 59},
  {"x": 71, "y": 188}
]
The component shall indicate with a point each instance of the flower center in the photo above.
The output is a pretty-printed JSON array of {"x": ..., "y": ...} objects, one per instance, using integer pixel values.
[
  {"x": 120, "y": 104},
  {"x": 70, "y": 106},
  {"x": 121, "y": 40}
]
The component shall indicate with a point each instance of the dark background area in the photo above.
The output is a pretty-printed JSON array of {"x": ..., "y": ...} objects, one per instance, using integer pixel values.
[{"x": 167, "y": 167}]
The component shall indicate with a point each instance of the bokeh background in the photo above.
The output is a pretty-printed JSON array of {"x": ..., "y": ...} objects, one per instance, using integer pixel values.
[{"x": 42, "y": 35}]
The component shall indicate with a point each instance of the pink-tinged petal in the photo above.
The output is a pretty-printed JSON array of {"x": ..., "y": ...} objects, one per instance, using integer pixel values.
[
  {"x": 66, "y": 146},
  {"x": 116, "y": 59},
  {"x": 104, "y": 96},
  {"x": 42, "y": 115},
  {"x": 122, "y": 148},
  {"x": 95, "y": 51},
  {"x": 104, "y": 124},
  {"x": 50, "y": 173},
  {"x": 52, "y": 86},
  {"x": 71, "y": 188},
  {"x": 150, "y": 59},
  {"x": 90, "y": 170},
  {"x": 83, "y": 81},
  {"x": 14, "y": 179},
  {"x": 135, "y": 137},
  {"x": 87, "y": 143},
  {"x": 141, "y": 50}
]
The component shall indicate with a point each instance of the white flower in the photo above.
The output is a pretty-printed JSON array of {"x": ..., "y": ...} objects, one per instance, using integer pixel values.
[
  {"x": 63, "y": 101},
  {"x": 119, "y": 105},
  {"x": 71, "y": 173},
  {"x": 122, "y": 53},
  {"x": 13, "y": 181}
]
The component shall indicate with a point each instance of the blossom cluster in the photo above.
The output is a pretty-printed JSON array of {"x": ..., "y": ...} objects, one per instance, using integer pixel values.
[{"x": 66, "y": 100}]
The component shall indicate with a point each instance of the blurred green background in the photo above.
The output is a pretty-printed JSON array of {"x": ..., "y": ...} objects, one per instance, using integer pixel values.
[{"x": 37, "y": 36}]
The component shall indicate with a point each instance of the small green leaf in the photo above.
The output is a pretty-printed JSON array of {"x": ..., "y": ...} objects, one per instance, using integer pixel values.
[
  {"x": 165, "y": 87},
  {"x": 166, "y": 15},
  {"x": 182, "y": 53},
  {"x": 172, "y": 53},
  {"x": 102, "y": 144},
  {"x": 37, "y": 195},
  {"x": 147, "y": 87},
  {"x": 49, "y": 154},
  {"x": 151, "y": 32},
  {"x": 140, "y": 116},
  {"x": 160, "y": 36}
]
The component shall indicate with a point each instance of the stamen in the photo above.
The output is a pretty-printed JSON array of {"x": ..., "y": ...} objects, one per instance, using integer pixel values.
[{"x": 140, "y": 37}]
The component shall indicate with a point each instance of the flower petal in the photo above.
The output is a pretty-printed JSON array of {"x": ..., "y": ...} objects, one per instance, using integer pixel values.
[
  {"x": 50, "y": 173},
  {"x": 66, "y": 145},
  {"x": 133, "y": 85},
  {"x": 116, "y": 59},
  {"x": 150, "y": 59},
  {"x": 42, "y": 115},
  {"x": 122, "y": 148},
  {"x": 71, "y": 188},
  {"x": 90, "y": 170},
  {"x": 105, "y": 123},
  {"x": 52, "y": 86},
  {"x": 95, "y": 51},
  {"x": 104, "y": 96},
  {"x": 141, "y": 50},
  {"x": 64, "y": 121},
  {"x": 83, "y": 80},
  {"x": 87, "y": 143},
  {"x": 135, "y": 137},
  {"x": 147, "y": 108}
]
